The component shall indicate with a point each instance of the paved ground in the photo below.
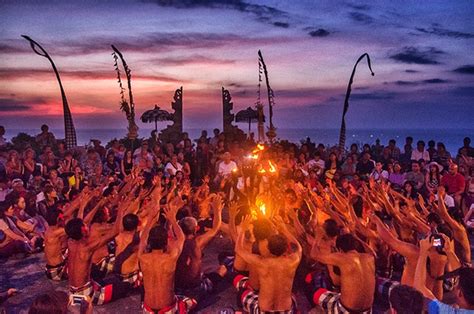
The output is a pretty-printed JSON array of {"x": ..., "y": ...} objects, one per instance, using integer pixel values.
[{"x": 27, "y": 275}]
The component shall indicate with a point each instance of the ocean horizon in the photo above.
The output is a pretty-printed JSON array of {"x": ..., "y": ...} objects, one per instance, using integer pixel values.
[{"x": 452, "y": 138}]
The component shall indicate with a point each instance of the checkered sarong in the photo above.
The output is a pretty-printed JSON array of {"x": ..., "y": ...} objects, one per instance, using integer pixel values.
[
  {"x": 56, "y": 273},
  {"x": 384, "y": 288},
  {"x": 249, "y": 298},
  {"x": 330, "y": 302},
  {"x": 182, "y": 305},
  {"x": 133, "y": 278}
]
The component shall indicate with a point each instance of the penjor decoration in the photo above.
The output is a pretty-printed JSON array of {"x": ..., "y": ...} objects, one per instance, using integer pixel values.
[
  {"x": 126, "y": 106},
  {"x": 342, "y": 133},
  {"x": 69, "y": 130},
  {"x": 271, "y": 134}
]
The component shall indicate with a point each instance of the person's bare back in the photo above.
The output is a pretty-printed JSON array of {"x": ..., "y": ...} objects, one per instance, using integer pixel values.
[
  {"x": 54, "y": 242},
  {"x": 276, "y": 283},
  {"x": 158, "y": 278},
  {"x": 79, "y": 262},
  {"x": 357, "y": 280},
  {"x": 123, "y": 240}
]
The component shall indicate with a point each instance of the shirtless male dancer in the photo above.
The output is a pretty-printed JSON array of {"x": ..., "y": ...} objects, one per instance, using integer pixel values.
[
  {"x": 356, "y": 268},
  {"x": 81, "y": 248},
  {"x": 159, "y": 264},
  {"x": 126, "y": 252},
  {"x": 276, "y": 272},
  {"x": 189, "y": 275}
]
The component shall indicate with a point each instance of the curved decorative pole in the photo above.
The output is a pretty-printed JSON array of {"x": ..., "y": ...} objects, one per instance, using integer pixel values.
[
  {"x": 69, "y": 131},
  {"x": 271, "y": 101},
  {"x": 127, "y": 107},
  {"x": 342, "y": 133}
]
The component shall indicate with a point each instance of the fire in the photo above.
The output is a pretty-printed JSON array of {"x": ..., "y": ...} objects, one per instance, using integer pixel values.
[
  {"x": 235, "y": 170},
  {"x": 260, "y": 147},
  {"x": 272, "y": 166},
  {"x": 261, "y": 170},
  {"x": 261, "y": 206}
]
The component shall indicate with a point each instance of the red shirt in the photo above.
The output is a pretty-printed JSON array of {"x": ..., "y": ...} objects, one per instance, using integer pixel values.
[{"x": 454, "y": 184}]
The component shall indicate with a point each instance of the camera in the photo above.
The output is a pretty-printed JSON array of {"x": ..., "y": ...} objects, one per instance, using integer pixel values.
[{"x": 438, "y": 241}]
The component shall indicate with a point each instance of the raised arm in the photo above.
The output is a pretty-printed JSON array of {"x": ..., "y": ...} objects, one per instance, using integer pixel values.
[
  {"x": 248, "y": 257},
  {"x": 96, "y": 243},
  {"x": 175, "y": 245},
  {"x": 404, "y": 248},
  {"x": 217, "y": 205},
  {"x": 420, "y": 272},
  {"x": 281, "y": 226}
]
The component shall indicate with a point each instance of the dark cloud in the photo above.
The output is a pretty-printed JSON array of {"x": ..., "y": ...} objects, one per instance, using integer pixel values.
[
  {"x": 442, "y": 32},
  {"x": 377, "y": 95},
  {"x": 411, "y": 71},
  {"x": 435, "y": 81},
  {"x": 148, "y": 42},
  {"x": 193, "y": 59},
  {"x": 13, "y": 105},
  {"x": 19, "y": 73},
  {"x": 422, "y": 82},
  {"x": 281, "y": 24},
  {"x": 319, "y": 33},
  {"x": 465, "y": 69},
  {"x": 262, "y": 13},
  {"x": 405, "y": 83},
  {"x": 361, "y": 17},
  {"x": 414, "y": 55},
  {"x": 361, "y": 7}
]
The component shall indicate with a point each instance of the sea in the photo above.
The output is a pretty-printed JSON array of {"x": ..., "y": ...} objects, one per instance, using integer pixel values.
[{"x": 452, "y": 138}]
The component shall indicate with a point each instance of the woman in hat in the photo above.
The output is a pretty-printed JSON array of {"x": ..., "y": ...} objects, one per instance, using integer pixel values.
[{"x": 433, "y": 177}]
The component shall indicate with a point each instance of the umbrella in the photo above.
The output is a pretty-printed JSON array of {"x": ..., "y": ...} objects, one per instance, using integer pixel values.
[
  {"x": 248, "y": 115},
  {"x": 155, "y": 115}
]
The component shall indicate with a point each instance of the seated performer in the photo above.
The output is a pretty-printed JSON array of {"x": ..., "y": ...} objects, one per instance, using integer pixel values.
[
  {"x": 356, "y": 268},
  {"x": 276, "y": 272},
  {"x": 55, "y": 242},
  {"x": 126, "y": 254},
  {"x": 189, "y": 275},
  {"x": 159, "y": 264},
  {"x": 81, "y": 247}
]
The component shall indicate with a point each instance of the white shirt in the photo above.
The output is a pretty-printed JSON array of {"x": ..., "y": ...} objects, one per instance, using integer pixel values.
[
  {"x": 226, "y": 169},
  {"x": 174, "y": 169},
  {"x": 417, "y": 155},
  {"x": 313, "y": 163},
  {"x": 448, "y": 200}
]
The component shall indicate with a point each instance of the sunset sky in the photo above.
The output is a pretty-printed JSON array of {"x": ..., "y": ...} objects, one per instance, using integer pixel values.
[{"x": 421, "y": 51}]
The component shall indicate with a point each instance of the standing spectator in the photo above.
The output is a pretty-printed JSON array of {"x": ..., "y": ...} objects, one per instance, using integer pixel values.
[
  {"x": 467, "y": 146},
  {"x": 420, "y": 152},
  {"x": 3, "y": 140},
  {"x": 431, "y": 149},
  {"x": 45, "y": 138}
]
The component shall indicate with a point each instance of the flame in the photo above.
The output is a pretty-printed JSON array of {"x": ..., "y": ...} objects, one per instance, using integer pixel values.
[
  {"x": 235, "y": 170},
  {"x": 261, "y": 206},
  {"x": 260, "y": 147},
  {"x": 261, "y": 170},
  {"x": 272, "y": 166}
]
